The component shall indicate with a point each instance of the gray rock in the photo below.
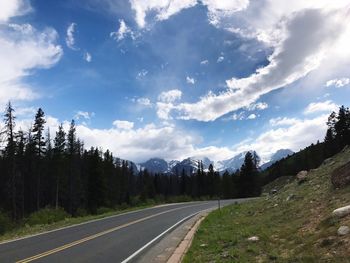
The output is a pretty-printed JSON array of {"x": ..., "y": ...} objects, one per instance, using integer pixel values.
[
  {"x": 253, "y": 238},
  {"x": 343, "y": 230},
  {"x": 302, "y": 176},
  {"x": 342, "y": 211}
]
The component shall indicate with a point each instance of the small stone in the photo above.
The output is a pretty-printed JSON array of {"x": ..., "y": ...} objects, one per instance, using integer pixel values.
[
  {"x": 275, "y": 205},
  {"x": 343, "y": 230},
  {"x": 253, "y": 238},
  {"x": 342, "y": 211},
  {"x": 203, "y": 245}
]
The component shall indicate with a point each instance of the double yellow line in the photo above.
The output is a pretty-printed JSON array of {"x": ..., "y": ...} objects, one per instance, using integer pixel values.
[{"x": 80, "y": 241}]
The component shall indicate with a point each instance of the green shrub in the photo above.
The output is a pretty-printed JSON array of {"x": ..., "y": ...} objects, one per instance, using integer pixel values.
[
  {"x": 47, "y": 216},
  {"x": 5, "y": 223},
  {"x": 81, "y": 212},
  {"x": 103, "y": 210}
]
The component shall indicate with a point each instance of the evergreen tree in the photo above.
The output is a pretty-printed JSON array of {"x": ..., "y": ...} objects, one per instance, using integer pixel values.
[{"x": 58, "y": 159}]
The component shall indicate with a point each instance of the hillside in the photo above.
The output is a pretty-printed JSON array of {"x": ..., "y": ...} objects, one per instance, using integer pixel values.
[{"x": 293, "y": 225}]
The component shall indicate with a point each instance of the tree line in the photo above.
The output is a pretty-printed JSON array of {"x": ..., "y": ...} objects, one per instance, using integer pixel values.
[
  {"x": 37, "y": 171},
  {"x": 336, "y": 138}
]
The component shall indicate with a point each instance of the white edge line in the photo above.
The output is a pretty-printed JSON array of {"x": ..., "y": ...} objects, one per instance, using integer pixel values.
[
  {"x": 159, "y": 236},
  {"x": 88, "y": 222}
]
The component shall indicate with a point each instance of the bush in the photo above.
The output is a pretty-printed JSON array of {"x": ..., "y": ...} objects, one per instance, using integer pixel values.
[
  {"x": 5, "y": 223},
  {"x": 103, "y": 210},
  {"x": 81, "y": 212},
  {"x": 47, "y": 216}
]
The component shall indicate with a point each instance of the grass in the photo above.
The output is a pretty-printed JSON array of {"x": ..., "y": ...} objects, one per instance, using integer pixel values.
[{"x": 299, "y": 230}]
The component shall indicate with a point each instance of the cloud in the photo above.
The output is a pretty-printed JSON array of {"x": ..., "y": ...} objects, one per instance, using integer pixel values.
[
  {"x": 123, "y": 125},
  {"x": 257, "y": 106},
  {"x": 170, "y": 96},
  {"x": 252, "y": 116},
  {"x": 13, "y": 8},
  {"x": 87, "y": 57},
  {"x": 190, "y": 80},
  {"x": 338, "y": 83},
  {"x": 326, "y": 106},
  {"x": 204, "y": 62},
  {"x": 70, "y": 40},
  {"x": 22, "y": 50},
  {"x": 220, "y": 59},
  {"x": 142, "y": 74},
  {"x": 163, "y": 9},
  {"x": 295, "y": 136},
  {"x": 84, "y": 114},
  {"x": 144, "y": 102},
  {"x": 279, "y": 121},
  {"x": 122, "y": 32},
  {"x": 306, "y": 37}
]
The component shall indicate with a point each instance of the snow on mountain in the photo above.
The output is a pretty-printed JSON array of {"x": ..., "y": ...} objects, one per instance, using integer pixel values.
[
  {"x": 155, "y": 165},
  {"x": 280, "y": 154},
  {"x": 232, "y": 164}
]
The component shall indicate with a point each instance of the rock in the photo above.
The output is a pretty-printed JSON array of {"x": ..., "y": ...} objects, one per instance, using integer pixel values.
[
  {"x": 302, "y": 177},
  {"x": 290, "y": 197},
  {"x": 343, "y": 230},
  {"x": 273, "y": 191},
  {"x": 341, "y": 176},
  {"x": 342, "y": 211},
  {"x": 203, "y": 245},
  {"x": 253, "y": 238}
]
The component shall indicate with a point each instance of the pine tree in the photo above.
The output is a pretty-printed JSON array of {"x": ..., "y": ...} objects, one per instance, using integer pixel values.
[{"x": 58, "y": 157}]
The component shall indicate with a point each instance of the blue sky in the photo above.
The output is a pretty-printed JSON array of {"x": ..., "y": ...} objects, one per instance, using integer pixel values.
[{"x": 178, "y": 78}]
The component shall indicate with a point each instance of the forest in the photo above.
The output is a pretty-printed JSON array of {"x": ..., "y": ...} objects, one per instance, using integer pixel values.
[{"x": 38, "y": 171}]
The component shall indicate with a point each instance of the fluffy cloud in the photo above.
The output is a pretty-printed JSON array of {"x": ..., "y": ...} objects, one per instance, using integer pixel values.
[
  {"x": 122, "y": 32},
  {"x": 190, "y": 80},
  {"x": 23, "y": 49},
  {"x": 326, "y": 106},
  {"x": 257, "y": 106},
  {"x": 295, "y": 135},
  {"x": 170, "y": 96},
  {"x": 87, "y": 57},
  {"x": 13, "y": 8},
  {"x": 84, "y": 115},
  {"x": 70, "y": 40},
  {"x": 204, "y": 62},
  {"x": 252, "y": 116},
  {"x": 283, "y": 121},
  {"x": 220, "y": 59},
  {"x": 338, "y": 82},
  {"x": 123, "y": 125},
  {"x": 144, "y": 102},
  {"x": 305, "y": 38}
]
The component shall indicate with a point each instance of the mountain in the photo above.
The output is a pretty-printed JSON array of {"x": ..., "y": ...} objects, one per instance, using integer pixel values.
[
  {"x": 190, "y": 165},
  {"x": 155, "y": 165},
  {"x": 280, "y": 154},
  {"x": 231, "y": 165},
  {"x": 135, "y": 169}
]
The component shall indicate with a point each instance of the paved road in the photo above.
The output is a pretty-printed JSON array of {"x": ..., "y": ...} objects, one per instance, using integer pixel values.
[{"x": 112, "y": 239}]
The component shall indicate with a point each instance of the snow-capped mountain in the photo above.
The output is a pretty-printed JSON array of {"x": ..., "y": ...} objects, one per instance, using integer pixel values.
[
  {"x": 234, "y": 163},
  {"x": 190, "y": 165},
  {"x": 155, "y": 165},
  {"x": 280, "y": 154}
]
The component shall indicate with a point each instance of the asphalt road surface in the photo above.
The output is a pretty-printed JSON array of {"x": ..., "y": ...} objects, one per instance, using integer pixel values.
[{"x": 120, "y": 238}]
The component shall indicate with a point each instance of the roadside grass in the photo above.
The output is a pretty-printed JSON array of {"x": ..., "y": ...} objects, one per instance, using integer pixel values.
[{"x": 298, "y": 230}]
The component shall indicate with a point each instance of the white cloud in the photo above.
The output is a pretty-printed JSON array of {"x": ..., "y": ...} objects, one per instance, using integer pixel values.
[
  {"x": 295, "y": 136},
  {"x": 144, "y": 102},
  {"x": 163, "y": 8},
  {"x": 87, "y": 57},
  {"x": 326, "y": 106},
  {"x": 190, "y": 80},
  {"x": 170, "y": 96},
  {"x": 204, "y": 62},
  {"x": 220, "y": 59},
  {"x": 84, "y": 114},
  {"x": 13, "y": 8},
  {"x": 142, "y": 74},
  {"x": 70, "y": 40},
  {"x": 22, "y": 50},
  {"x": 279, "y": 121},
  {"x": 306, "y": 38},
  {"x": 123, "y": 31},
  {"x": 239, "y": 116},
  {"x": 251, "y": 116},
  {"x": 338, "y": 82},
  {"x": 123, "y": 125},
  {"x": 257, "y": 106}
]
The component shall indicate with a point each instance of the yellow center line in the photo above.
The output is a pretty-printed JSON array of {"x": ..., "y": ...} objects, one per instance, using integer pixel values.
[{"x": 80, "y": 241}]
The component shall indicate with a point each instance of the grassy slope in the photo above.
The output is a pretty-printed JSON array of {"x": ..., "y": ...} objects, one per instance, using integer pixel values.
[{"x": 298, "y": 230}]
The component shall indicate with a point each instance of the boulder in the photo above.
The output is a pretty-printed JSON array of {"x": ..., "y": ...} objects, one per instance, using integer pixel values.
[
  {"x": 342, "y": 211},
  {"x": 253, "y": 238},
  {"x": 302, "y": 176},
  {"x": 341, "y": 176},
  {"x": 343, "y": 230}
]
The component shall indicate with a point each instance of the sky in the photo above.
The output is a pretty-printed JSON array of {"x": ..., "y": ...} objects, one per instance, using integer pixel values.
[{"x": 178, "y": 78}]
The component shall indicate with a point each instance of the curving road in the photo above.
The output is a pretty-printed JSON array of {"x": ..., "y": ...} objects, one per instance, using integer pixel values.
[{"x": 120, "y": 238}]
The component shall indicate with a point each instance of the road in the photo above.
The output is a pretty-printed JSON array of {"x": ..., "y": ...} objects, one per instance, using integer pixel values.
[{"x": 120, "y": 238}]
